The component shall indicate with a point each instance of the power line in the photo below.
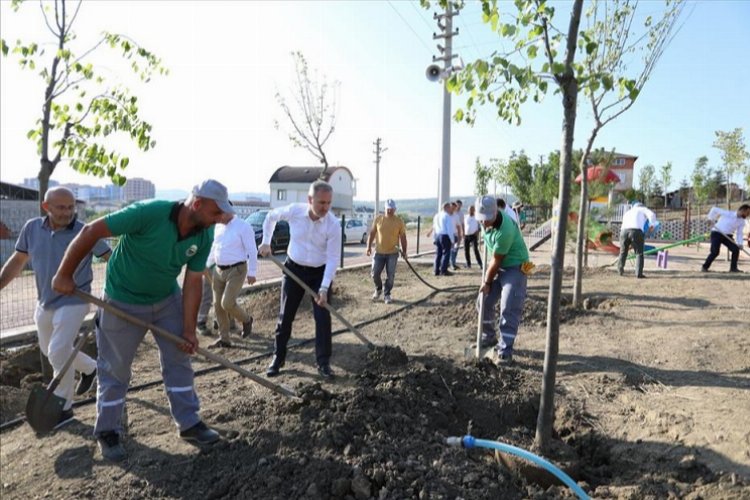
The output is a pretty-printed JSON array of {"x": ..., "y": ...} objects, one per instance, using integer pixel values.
[{"x": 409, "y": 26}]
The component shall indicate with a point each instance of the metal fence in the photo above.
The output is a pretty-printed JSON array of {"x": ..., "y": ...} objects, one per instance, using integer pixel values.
[{"x": 18, "y": 300}]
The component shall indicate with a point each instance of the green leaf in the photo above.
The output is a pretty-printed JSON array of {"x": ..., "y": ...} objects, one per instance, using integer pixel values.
[
  {"x": 531, "y": 51},
  {"x": 4, "y": 46},
  {"x": 459, "y": 115},
  {"x": 591, "y": 47},
  {"x": 633, "y": 94}
]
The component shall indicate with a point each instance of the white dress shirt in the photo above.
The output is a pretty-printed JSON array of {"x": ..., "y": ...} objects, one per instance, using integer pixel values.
[
  {"x": 511, "y": 213},
  {"x": 636, "y": 218},
  {"x": 311, "y": 243},
  {"x": 234, "y": 242},
  {"x": 443, "y": 224},
  {"x": 471, "y": 225},
  {"x": 728, "y": 223}
]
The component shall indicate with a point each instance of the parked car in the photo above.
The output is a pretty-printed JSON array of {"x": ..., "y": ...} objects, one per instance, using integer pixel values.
[
  {"x": 280, "y": 239},
  {"x": 355, "y": 231}
]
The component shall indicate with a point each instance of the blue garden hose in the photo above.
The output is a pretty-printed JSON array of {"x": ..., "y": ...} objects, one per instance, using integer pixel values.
[{"x": 471, "y": 442}]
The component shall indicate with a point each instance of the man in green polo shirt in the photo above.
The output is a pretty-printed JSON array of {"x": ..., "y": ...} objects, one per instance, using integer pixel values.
[
  {"x": 504, "y": 279},
  {"x": 157, "y": 238}
]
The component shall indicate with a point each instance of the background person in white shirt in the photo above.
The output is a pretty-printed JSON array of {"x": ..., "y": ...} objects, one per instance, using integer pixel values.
[
  {"x": 236, "y": 258},
  {"x": 727, "y": 225},
  {"x": 444, "y": 234},
  {"x": 471, "y": 237},
  {"x": 458, "y": 221},
  {"x": 631, "y": 233},
  {"x": 313, "y": 254}
]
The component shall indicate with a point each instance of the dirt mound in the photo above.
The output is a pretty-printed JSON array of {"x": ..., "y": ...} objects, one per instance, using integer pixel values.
[
  {"x": 12, "y": 402},
  {"x": 264, "y": 304},
  {"x": 15, "y": 365},
  {"x": 382, "y": 439}
]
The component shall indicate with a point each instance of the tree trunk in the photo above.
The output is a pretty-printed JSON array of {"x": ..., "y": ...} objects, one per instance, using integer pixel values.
[
  {"x": 45, "y": 172},
  {"x": 569, "y": 86},
  {"x": 582, "y": 213},
  {"x": 729, "y": 191}
]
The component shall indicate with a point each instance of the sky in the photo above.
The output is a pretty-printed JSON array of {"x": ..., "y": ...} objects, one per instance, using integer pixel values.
[{"x": 213, "y": 115}]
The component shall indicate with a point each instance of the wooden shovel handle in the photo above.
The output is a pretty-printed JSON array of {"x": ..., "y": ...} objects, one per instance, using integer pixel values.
[
  {"x": 280, "y": 389},
  {"x": 328, "y": 306}
]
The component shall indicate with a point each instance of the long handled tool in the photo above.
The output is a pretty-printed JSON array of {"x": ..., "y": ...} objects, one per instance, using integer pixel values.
[
  {"x": 328, "y": 306},
  {"x": 280, "y": 389},
  {"x": 44, "y": 408},
  {"x": 732, "y": 241}
]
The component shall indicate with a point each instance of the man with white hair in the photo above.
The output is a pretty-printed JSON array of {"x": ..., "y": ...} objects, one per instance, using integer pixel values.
[
  {"x": 58, "y": 318},
  {"x": 387, "y": 231},
  {"x": 313, "y": 255},
  {"x": 632, "y": 233},
  {"x": 157, "y": 240}
]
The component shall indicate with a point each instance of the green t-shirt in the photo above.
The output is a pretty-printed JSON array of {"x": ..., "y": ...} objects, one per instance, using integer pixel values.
[
  {"x": 504, "y": 238},
  {"x": 145, "y": 264}
]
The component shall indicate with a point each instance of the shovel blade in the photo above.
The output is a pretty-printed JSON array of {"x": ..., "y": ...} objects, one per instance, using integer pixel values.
[
  {"x": 484, "y": 352},
  {"x": 43, "y": 410}
]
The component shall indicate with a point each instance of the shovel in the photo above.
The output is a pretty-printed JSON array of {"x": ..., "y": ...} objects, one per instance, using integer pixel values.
[
  {"x": 280, "y": 389},
  {"x": 327, "y": 305},
  {"x": 44, "y": 408}
]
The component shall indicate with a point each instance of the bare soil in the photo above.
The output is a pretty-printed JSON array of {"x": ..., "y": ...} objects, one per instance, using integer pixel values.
[{"x": 652, "y": 401}]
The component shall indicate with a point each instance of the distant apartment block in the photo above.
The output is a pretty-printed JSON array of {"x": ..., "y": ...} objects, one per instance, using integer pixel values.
[
  {"x": 136, "y": 189},
  {"x": 33, "y": 183}
]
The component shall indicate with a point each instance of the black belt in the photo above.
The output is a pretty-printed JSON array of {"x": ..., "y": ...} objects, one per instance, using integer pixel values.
[
  {"x": 291, "y": 263},
  {"x": 230, "y": 266}
]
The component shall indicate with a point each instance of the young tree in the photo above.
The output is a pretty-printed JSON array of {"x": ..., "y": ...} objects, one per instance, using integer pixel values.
[
  {"x": 611, "y": 42},
  {"x": 502, "y": 82},
  {"x": 733, "y": 154},
  {"x": 647, "y": 182},
  {"x": 482, "y": 176},
  {"x": 81, "y": 109},
  {"x": 312, "y": 117},
  {"x": 665, "y": 173}
]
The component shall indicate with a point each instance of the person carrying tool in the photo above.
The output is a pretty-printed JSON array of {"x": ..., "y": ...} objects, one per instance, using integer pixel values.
[
  {"x": 471, "y": 237},
  {"x": 157, "y": 239},
  {"x": 313, "y": 254},
  {"x": 387, "y": 231},
  {"x": 505, "y": 278},
  {"x": 236, "y": 261},
  {"x": 632, "y": 233},
  {"x": 58, "y": 318},
  {"x": 728, "y": 229}
]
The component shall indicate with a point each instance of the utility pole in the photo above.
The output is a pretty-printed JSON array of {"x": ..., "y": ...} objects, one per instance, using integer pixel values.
[
  {"x": 378, "y": 152},
  {"x": 445, "y": 23}
]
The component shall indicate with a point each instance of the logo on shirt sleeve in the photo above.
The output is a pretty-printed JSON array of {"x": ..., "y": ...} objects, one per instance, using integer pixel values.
[{"x": 192, "y": 250}]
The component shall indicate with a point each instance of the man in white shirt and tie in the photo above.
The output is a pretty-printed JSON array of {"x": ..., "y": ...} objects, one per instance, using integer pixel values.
[
  {"x": 313, "y": 255},
  {"x": 632, "y": 233},
  {"x": 236, "y": 258},
  {"x": 727, "y": 225}
]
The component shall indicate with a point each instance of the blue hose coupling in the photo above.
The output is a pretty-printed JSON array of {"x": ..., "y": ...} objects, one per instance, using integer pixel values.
[{"x": 465, "y": 442}]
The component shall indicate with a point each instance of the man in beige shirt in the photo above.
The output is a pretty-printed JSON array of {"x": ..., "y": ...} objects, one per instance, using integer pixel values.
[{"x": 387, "y": 230}]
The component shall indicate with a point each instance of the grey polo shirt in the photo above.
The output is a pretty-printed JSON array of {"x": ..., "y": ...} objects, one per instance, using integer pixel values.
[{"x": 46, "y": 248}]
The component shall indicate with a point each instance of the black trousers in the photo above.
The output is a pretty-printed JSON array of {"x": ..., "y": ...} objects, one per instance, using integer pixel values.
[
  {"x": 291, "y": 297},
  {"x": 472, "y": 240},
  {"x": 718, "y": 239}
]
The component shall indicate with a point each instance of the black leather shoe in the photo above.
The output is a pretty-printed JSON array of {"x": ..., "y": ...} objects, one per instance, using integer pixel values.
[
  {"x": 275, "y": 367},
  {"x": 325, "y": 371},
  {"x": 85, "y": 383},
  {"x": 200, "y": 433}
]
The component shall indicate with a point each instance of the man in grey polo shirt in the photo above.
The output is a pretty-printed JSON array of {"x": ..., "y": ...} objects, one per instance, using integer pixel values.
[{"x": 58, "y": 317}]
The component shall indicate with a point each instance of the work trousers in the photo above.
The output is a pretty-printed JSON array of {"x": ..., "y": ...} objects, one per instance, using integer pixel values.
[
  {"x": 57, "y": 329},
  {"x": 634, "y": 237},
  {"x": 227, "y": 287},
  {"x": 291, "y": 297},
  {"x": 387, "y": 261},
  {"x": 508, "y": 287},
  {"x": 207, "y": 300},
  {"x": 718, "y": 239},
  {"x": 472, "y": 240},
  {"x": 443, "y": 253},
  {"x": 118, "y": 341}
]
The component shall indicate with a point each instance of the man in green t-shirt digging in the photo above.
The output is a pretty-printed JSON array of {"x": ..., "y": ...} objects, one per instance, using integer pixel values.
[
  {"x": 157, "y": 238},
  {"x": 504, "y": 278}
]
